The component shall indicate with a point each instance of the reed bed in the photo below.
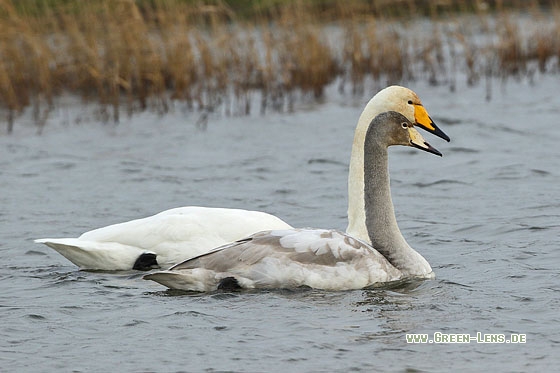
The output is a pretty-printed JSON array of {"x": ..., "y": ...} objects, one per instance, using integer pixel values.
[{"x": 129, "y": 56}]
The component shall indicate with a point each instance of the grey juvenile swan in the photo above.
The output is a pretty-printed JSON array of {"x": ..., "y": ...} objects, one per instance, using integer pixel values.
[{"x": 319, "y": 258}]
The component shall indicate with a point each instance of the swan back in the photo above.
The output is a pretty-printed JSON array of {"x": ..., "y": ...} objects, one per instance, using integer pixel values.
[{"x": 173, "y": 235}]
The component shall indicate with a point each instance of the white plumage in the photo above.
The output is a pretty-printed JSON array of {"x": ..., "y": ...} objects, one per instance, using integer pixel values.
[{"x": 170, "y": 236}]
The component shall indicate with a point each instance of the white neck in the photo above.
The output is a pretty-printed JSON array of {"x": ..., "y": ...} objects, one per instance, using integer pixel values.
[
  {"x": 388, "y": 99},
  {"x": 356, "y": 209}
]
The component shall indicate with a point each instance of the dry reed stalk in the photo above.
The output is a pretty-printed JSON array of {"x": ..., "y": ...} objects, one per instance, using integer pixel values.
[
  {"x": 25, "y": 71},
  {"x": 241, "y": 58},
  {"x": 308, "y": 61},
  {"x": 373, "y": 42},
  {"x": 267, "y": 68},
  {"x": 556, "y": 33},
  {"x": 510, "y": 49},
  {"x": 543, "y": 41},
  {"x": 356, "y": 57},
  {"x": 178, "y": 55},
  {"x": 432, "y": 55},
  {"x": 180, "y": 73},
  {"x": 470, "y": 52},
  {"x": 393, "y": 58}
]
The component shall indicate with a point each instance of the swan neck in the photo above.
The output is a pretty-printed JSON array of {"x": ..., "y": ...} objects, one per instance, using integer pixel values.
[
  {"x": 356, "y": 209},
  {"x": 380, "y": 221}
]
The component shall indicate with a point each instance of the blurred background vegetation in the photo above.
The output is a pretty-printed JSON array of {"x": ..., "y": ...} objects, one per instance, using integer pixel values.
[{"x": 128, "y": 55}]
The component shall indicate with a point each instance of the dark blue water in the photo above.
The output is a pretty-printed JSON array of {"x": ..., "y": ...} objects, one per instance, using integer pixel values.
[{"x": 486, "y": 216}]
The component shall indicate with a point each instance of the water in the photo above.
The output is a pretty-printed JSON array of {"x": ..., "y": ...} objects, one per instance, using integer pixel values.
[{"x": 486, "y": 216}]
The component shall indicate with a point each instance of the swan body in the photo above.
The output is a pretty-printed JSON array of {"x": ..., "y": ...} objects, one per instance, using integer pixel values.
[
  {"x": 163, "y": 239},
  {"x": 318, "y": 258}
]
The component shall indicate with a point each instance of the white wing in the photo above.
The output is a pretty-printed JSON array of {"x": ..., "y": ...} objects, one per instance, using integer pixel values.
[{"x": 173, "y": 235}]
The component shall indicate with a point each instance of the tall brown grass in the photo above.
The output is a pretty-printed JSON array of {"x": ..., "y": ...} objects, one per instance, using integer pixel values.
[{"x": 129, "y": 56}]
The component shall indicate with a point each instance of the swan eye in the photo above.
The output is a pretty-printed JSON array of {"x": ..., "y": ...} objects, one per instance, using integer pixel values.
[
  {"x": 410, "y": 102},
  {"x": 404, "y": 125}
]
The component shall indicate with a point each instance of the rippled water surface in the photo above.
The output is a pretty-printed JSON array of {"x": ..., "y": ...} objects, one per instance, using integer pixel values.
[{"x": 486, "y": 216}]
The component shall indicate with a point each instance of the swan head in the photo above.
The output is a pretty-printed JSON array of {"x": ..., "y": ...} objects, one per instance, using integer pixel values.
[
  {"x": 393, "y": 128},
  {"x": 405, "y": 101}
]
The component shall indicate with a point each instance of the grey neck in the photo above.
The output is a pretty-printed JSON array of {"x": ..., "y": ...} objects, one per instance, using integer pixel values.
[{"x": 381, "y": 223}]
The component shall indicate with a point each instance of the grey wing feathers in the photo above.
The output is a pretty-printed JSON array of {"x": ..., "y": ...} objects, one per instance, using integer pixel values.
[
  {"x": 320, "y": 247},
  {"x": 221, "y": 259}
]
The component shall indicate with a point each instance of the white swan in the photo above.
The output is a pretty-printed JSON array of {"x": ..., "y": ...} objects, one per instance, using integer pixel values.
[
  {"x": 318, "y": 258},
  {"x": 163, "y": 239},
  {"x": 173, "y": 235}
]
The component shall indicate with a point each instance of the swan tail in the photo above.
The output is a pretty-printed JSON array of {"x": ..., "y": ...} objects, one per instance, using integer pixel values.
[
  {"x": 108, "y": 256},
  {"x": 198, "y": 279}
]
